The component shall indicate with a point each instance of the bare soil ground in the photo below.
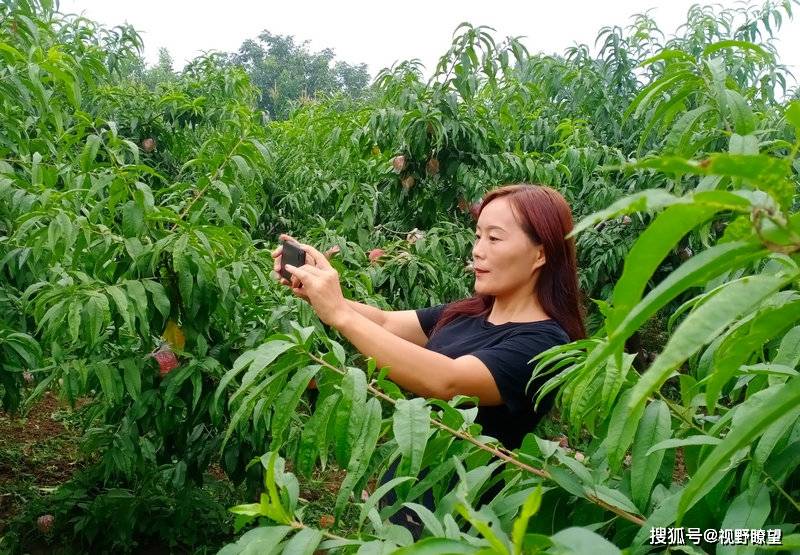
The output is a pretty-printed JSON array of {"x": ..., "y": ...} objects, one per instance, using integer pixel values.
[{"x": 37, "y": 452}]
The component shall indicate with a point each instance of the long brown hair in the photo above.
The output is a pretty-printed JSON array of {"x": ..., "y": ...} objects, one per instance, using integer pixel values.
[{"x": 546, "y": 218}]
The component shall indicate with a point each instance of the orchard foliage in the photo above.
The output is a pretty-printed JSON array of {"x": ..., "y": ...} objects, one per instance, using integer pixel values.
[{"x": 134, "y": 222}]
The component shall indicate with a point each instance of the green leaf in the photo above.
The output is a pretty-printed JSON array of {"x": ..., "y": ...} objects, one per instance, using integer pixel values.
[
  {"x": 581, "y": 540},
  {"x": 664, "y": 514},
  {"x": 749, "y": 511},
  {"x": 349, "y": 413},
  {"x": 97, "y": 311},
  {"x": 621, "y": 428},
  {"x": 679, "y": 136},
  {"x": 667, "y": 54},
  {"x": 744, "y": 45},
  {"x": 286, "y": 404},
  {"x": 256, "y": 358},
  {"x": 305, "y": 542},
  {"x": 137, "y": 293},
  {"x": 765, "y": 172},
  {"x": 747, "y": 144},
  {"x": 248, "y": 509},
  {"x": 613, "y": 497},
  {"x": 760, "y": 416},
  {"x": 771, "y": 437},
  {"x": 654, "y": 427},
  {"x": 159, "y": 295},
  {"x": 429, "y": 520},
  {"x": 110, "y": 382},
  {"x": 793, "y": 113},
  {"x": 175, "y": 379},
  {"x": 74, "y": 320},
  {"x": 642, "y": 101},
  {"x": 271, "y": 501},
  {"x": 703, "y": 324},
  {"x": 520, "y": 526},
  {"x": 743, "y": 120},
  {"x": 375, "y": 497},
  {"x": 261, "y": 540},
  {"x": 89, "y": 152},
  {"x": 132, "y": 219},
  {"x": 696, "y": 271},
  {"x": 312, "y": 438},
  {"x": 362, "y": 452},
  {"x": 121, "y": 300},
  {"x": 242, "y": 165},
  {"x": 789, "y": 349},
  {"x": 224, "y": 282},
  {"x": 649, "y": 251},
  {"x": 132, "y": 376},
  {"x": 411, "y": 427},
  {"x": 648, "y": 200},
  {"x": 437, "y": 546},
  {"x": 494, "y": 535},
  {"x": 246, "y": 407},
  {"x": 682, "y": 442},
  {"x": 614, "y": 377},
  {"x": 716, "y": 67},
  {"x": 739, "y": 345}
]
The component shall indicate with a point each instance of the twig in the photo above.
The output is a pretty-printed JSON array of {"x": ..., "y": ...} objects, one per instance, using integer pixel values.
[{"x": 497, "y": 452}]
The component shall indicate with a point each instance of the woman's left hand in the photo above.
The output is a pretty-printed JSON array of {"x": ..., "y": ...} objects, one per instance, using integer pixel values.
[{"x": 319, "y": 284}]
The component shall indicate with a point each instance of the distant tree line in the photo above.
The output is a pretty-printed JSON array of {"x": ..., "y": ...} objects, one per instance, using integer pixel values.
[{"x": 284, "y": 70}]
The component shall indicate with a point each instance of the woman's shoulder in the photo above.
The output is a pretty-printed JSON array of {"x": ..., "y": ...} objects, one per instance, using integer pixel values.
[{"x": 549, "y": 330}]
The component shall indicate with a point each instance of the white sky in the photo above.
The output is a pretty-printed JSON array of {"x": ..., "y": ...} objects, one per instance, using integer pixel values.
[{"x": 380, "y": 34}]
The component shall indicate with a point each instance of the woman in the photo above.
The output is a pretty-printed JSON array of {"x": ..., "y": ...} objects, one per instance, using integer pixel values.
[{"x": 525, "y": 301}]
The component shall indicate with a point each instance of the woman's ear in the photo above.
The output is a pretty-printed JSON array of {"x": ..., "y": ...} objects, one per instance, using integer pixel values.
[{"x": 540, "y": 259}]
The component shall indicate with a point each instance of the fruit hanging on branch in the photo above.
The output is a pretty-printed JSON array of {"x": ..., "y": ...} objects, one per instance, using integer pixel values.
[
  {"x": 432, "y": 167},
  {"x": 471, "y": 208},
  {"x": 398, "y": 163},
  {"x": 45, "y": 523},
  {"x": 166, "y": 359},
  {"x": 407, "y": 182},
  {"x": 474, "y": 209},
  {"x": 331, "y": 251},
  {"x": 148, "y": 144},
  {"x": 374, "y": 255}
]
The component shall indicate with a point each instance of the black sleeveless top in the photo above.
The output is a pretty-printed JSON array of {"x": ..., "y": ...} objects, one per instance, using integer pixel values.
[{"x": 506, "y": 350}]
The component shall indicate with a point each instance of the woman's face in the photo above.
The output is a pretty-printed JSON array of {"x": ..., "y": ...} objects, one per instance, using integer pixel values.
[{"x": 504, "y": 257}]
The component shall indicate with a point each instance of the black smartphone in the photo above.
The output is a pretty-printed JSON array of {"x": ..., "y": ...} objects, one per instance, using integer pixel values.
[{"x": 291, "y": 254}]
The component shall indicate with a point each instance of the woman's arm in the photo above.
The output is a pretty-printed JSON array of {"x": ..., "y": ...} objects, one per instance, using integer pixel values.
[
  {"x": 372, "y": 312},
  {"x": 419, "y": 370},
  {"x": 402, "y": 323}
]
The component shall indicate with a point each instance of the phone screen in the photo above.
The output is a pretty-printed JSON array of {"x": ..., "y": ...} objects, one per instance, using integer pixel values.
[{"x": 291, "y": 254}]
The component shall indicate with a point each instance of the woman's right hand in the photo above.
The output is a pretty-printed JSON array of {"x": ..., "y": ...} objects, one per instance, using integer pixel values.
[
  {"x": 294, "y": 283},
  {"x": 276, "y": 266}
]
